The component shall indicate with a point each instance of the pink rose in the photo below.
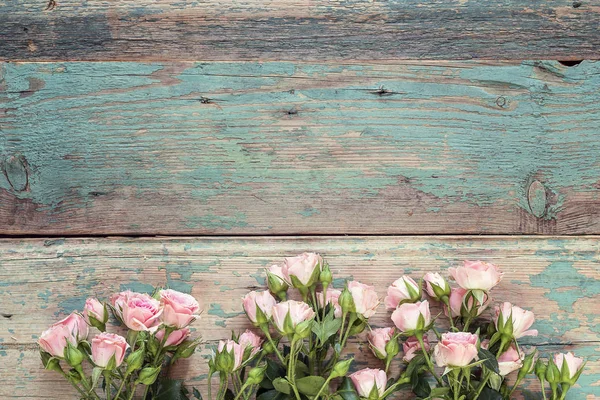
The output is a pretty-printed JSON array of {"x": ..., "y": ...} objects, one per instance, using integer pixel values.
[
  {"x": 54, "y": 340},
  {"x": 298, "y": 312},
  {"x": 412, "y": 346},
  {"x": 332, "y": 298},
  {"x": 521, "y": 320},
  {"x": 304, "y": 267},
  {"x": 77, "y": 325},
  {"x": 365, "y": 298},
  {"x": 404, "y": 289},
  {"x": 118, "y": 300},
  {"x": 105, "y": 346},
  {"x": 238, "y": 352},
  {"x": 179, "y": 309},
  {"x": 141, "y": 312},
  {"x": 456, "y": 349},
  {"x": 574, "y": 364},
  {"x": 251, "y": 340},
  {"x": 367, "y": 380},
  {"x": 264, "y": 301},
  {"x": 435, "y": 280},
  {"x": 476, "y": 275},
  {"x": 378, "y": 339},
  {"x": 278, "y": 271},
  {"x": 510, "y": 360},
  {"x": 457, "y": 299},
  {"x": 93, "y": 308},
  {"x": 406, "y": 316},
  {"x": 175, "y": 338}
]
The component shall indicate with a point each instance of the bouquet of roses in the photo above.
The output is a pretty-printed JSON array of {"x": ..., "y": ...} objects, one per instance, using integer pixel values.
[
  {"x": 300, "y": 352},
  {"x": 117, "y": 366}
]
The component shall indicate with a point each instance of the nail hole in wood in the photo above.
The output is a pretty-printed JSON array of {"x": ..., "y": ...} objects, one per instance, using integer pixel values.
[
  {"x": 576, "y": 4},
  {"x": 5, "y": 315},
  {"x": 536, "y": 199},
  {"x": 570, "y": 63}
]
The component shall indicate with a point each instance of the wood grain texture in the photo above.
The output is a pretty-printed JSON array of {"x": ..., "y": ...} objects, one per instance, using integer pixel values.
[
  {"x": 44, "y": 279},
  {"x": 283, "y": 148},
  {"x": 298, "y": 30}
]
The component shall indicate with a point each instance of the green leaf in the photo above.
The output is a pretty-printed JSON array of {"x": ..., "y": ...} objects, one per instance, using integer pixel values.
[
  {"x": 326, "y": 328},
  {"x": 347, "y": 390},
  {"x": 273, "y": 395},
  {"x": 197, "y": 394},
  {"x": 489, "y": 360},
  {"x": 282, "y": 385},
  {"x": 301, "y": 369},
  {"x": 170, "y": 389},
  {"x": 274, "y": 370},
  {"x": 421, "y": 388},
  {"x": 310, "y": 385},
  {"x": 489, "y": 394}
]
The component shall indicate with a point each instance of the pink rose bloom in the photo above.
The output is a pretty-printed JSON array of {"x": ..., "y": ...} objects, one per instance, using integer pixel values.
[
  {"x": 367, "y": 379},
  {"x": 476, "y": 275},
  {"x": 574, "y": 364},
  {"x": 406, "y": 316},
  {"x": 298, "y": 311},
  {"x": 435, "y": 279},
  {"x": 117, "y": 300},
  {"x": 105, "y": 346},
  {"x": 400, "y": 291},
  {"x": 175, "y": 338},
  {"x": 332, "y": 298},
  {"x": 302, "y": 267},
  {"x": 77, "y": 325},
  {"x": 179, "y": 309},
  {"x": 456, "y": 349},
  {"x": 252, "y": 340},
  {"x": 279, "y": 272},
  {"x": 94, "y": 309},
  {"x": 521, "y": 319},
  {"x": 54, "y": 340},
  {"x": 365, "y": 298},
  {"x": 238, "y": 352},
  {"x": 412, "y": 347},
  {"x": 378, "y": 339},
  {"x": 457, "y": 298},
  {"x": 263, "y": 300},
  {"x": 510, "y": 361},
  {"x": 141, "y": 312}
]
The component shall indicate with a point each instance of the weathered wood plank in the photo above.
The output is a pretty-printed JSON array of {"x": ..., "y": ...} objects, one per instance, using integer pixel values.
[
  {"x": 281, "y": 148},
  {"x": 43, "y": 279},
  {"x": 297, "y": 31}
]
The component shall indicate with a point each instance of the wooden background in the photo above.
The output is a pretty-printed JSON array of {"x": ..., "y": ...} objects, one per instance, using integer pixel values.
[{"x": 192, "y": 143}]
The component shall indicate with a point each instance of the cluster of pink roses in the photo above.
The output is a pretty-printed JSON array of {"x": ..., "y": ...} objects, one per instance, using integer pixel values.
[{"x": 164, "y": 321}]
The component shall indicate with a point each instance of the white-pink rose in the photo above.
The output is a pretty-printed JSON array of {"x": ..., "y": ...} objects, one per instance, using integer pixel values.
[
  {"x": 403, "y": 289},
  {"x": 412, "y": 347},
  {"x": 298, "y": 312},
  {"x": 251, "y": 340},
  {"x": 457, "y": 300},
  {"x": 54, "y": 340},
  {"x": 232, "y": 347},
  {"x": 435, "y": 282},
  {"x": 364, "y": 297},
  {"x": 262, "y": 301},
  {"x": 510, "y": 360},
  {"x": 412, "y": 316},
  {"x": 456, "y": 349},
  {"x": 521, "y": 320},
  {"x": 368, "y": 380},
  {"x": 117, "y": 300},
  {"x": 93, "y": 308},
  {"x": 175, "y": 338},
  {"x": 105, "y": 346},
  {"x": 476, "y": 275},
  {"x": 332, "y": 298},
  {"x": 140, "y": 312},
  {"x": 574, "y": 364},
  {"x": 378, "y": 339},
  {"x": 304, "y": 267},
  {"x": 179, "y": 309}
]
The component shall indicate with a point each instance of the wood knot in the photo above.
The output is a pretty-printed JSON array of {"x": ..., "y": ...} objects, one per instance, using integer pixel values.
[
  {"x": 501, "y": 102},
  {"x": 15, "y": 171},
  {"x": 536, "y": 198}
]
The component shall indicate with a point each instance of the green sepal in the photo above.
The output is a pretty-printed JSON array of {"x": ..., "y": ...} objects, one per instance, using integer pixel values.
[
  {"x": 341, "y": 368},
  {"x": 96, "y": 374},
  {"x": 148, "y": 375},
  {"x": 135, "y": 360}
]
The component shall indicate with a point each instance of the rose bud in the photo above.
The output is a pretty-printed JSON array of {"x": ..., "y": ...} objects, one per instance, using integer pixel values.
[
  {"x": 141, "y": 312},
  {"x": 436, "y": 287},
  {"x": 364, "y": 298},
  {"x": 378, "y": 339},
  {"x": 516, "y": 326},
  {"x": 570, "y": 366},
  {"x": 412, "y": 317},
  {"x": 179, "y": 309},
  {"x": 326, "y": 277},
  {"x": 256, "y": 375},
  {"x": 95, "y": 313},
  {"x": 332, "y": 298},
  {"x": 456, "y": 349},
  {"x": 476, "y": 275},
  {"x": 303, "y": 270},
  {"x": 510, "y": 361},
  {"x": 288, "y": 315},
  {"x": 259, "y": 307},
  {"x": 457, "y": 304},
  {"x": 403, "y": 290},
  {"x": 54, "y": 340},
  {"x": 233, "y": 353},
  {"x": 369, "y": 383},
  {"x": 250, "y": 340},
  {"x": 76, "y": 325},
  {"x": 341, "y": 368},
  {"x": 276, "y": 281},
  {"x": 175, "y": 338},
  {"x": 528, "y": 366},
  {"x": 107, "y": 346},
  {"x": 412, "y": 347}
]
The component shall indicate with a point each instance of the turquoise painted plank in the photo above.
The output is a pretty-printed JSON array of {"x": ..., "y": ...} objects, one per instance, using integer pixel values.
[
  {"x": 284, "y": 148},
  {"x": 349, "y": 30}
]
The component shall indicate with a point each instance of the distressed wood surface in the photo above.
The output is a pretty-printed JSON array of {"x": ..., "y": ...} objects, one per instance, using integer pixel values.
[
  {"x": 44, "y": 279},
  {"x": 282, "y": 148},
  {"x": 298, "y": 30}
]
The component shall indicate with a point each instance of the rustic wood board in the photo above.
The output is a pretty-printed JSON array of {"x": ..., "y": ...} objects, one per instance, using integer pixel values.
[
  {"x": 283, "y": 148},
  {"x": 298, "y": 30},
  {"x": 43, "y": 279}
]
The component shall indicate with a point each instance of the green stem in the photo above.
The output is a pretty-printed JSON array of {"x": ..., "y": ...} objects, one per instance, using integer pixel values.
[
  {"x": 446, "y": 302},
  {"x": 265, "y": 330},
  {"x": 76, "y": 386},
  {"x": 455, "y": 386},
  {"x": 344, "y": 313},
  {"x": 323, "y": 387},
  {"x": 121, "y": 387},
  {"x": 145, "y": 392},
  {"x": 242, "y": 389},
  {"x": 325, "y": 285},
  {"x": 482, "y": 385},
  {"x": 467, "y": 323},
  {"x": 132, "y": 391},
  {"x": 394, "y": 386},
  {"x": 209, "y": 389},
  {"x": 351, "y": 321},
  {"x": 292, "y": 367},
  {"x": 515, "y": 386},
  {"x": 108, "y": 387},
  {"x": 427, "y": 359}
]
